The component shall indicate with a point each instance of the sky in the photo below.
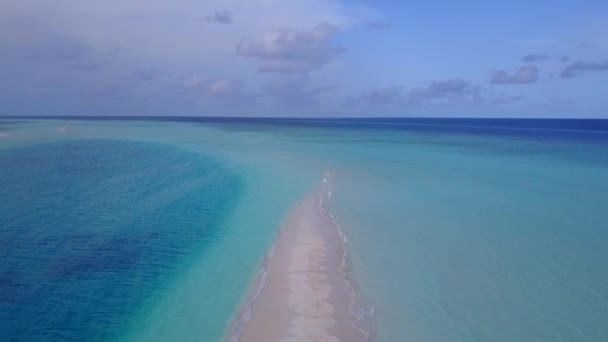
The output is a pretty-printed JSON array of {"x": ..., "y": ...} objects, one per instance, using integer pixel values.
[{"x": 304, "y": 58}]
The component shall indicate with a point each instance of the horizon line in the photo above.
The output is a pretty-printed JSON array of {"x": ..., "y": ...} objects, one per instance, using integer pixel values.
[{"x": 293, "y": 117}]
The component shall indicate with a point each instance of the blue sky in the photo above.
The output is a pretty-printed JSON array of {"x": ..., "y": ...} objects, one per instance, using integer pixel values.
[{"x": 304, "y": 58}]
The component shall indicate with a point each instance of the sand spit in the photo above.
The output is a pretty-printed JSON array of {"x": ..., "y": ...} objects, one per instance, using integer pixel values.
[{"x": 305, "y": 296}]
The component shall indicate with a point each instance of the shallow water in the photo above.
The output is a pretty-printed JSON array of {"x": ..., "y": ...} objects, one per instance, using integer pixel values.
[
  {"x": 498, "y": 241},
  {"x": 153, "y": 231}
]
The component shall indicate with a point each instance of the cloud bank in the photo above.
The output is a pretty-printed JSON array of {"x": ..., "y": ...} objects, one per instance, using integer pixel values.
[
  {"x": 450, "y": 90},
  {"x": 579, "y": 68},
  {"x": 526, "y": 75}
]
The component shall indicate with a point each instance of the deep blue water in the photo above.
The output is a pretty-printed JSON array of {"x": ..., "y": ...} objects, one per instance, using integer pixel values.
[
  {"x": 545, "y": 129},
  {"x": 583, "y": 129},
  {"x": 91, "y": 229}
]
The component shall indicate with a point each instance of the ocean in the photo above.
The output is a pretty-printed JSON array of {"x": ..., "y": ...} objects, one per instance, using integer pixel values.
[{"x": 155, "y": 229}]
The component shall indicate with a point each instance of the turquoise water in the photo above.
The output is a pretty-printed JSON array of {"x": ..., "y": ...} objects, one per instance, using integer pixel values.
[
  {"x": 481, "y": 239},
  {"x": 154, "y": 231}
]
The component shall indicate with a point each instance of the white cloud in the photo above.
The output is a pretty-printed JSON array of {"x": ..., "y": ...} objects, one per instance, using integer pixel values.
[{"x": 289, "y": 50}]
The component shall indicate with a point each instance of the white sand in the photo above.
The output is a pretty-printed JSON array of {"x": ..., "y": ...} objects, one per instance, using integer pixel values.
[{"x": 305, "y": 296}]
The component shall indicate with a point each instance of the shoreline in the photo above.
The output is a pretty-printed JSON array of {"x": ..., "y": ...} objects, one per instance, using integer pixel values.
[{"x": 303, "y": 291}]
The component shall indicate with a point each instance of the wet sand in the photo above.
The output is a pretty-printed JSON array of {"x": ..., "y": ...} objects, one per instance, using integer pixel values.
[{"x": 305, "y": 295}]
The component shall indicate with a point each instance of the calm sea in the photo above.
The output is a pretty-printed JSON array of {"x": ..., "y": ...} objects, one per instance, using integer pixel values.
[{"x": 153, "y": 229}]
